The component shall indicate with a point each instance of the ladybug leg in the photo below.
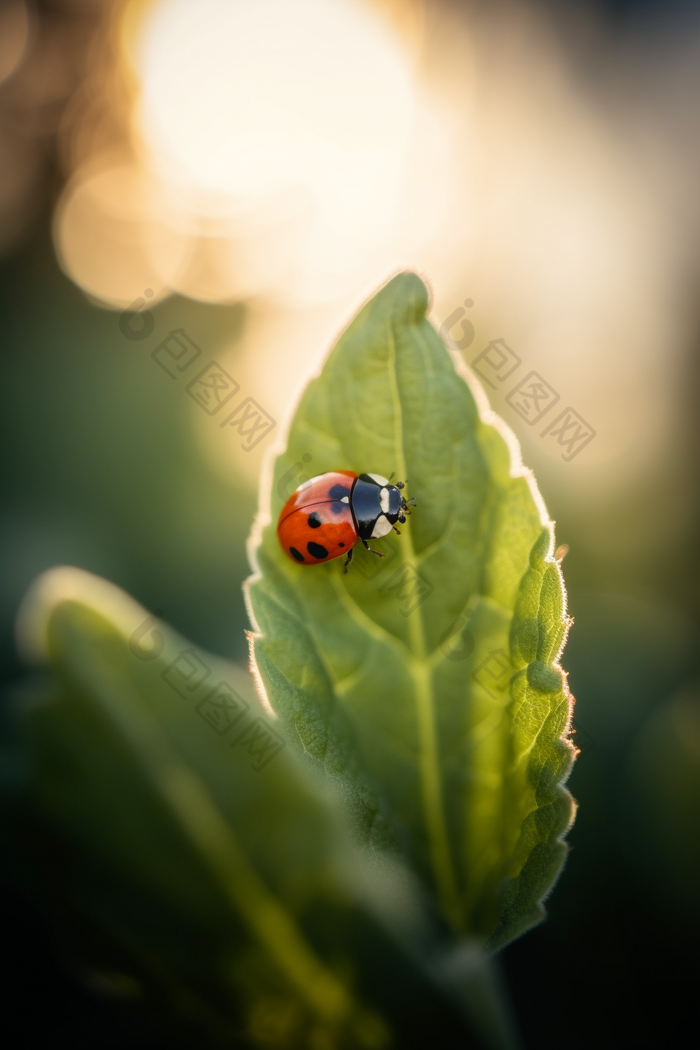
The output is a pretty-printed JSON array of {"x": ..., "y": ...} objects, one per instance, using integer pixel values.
[
  {"x": 397, "y": 531},
  {"x": 349, "y": 558},
  {"x": 380, "y": 554}
]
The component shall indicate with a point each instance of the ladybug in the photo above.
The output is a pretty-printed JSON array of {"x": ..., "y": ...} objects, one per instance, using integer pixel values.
[{"x": 326, "y": 516}]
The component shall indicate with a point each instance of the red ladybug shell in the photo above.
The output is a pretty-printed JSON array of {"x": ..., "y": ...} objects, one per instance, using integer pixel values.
[{"x": 316, "y": 523}]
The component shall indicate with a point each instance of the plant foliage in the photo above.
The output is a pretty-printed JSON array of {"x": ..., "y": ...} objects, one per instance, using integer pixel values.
[{"x": 431, "y": 690}]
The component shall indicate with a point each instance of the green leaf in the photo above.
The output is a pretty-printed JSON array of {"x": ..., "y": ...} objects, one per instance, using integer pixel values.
[
  {"x": 431, "y": 690},
  {"x": 217, "y": 883}
]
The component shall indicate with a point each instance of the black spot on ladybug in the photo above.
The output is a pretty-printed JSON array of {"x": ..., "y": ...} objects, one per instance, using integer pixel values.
[
  {"x": 338, "y": 491},
  {"x": 295, "y": 554},
  {"x": 341, "y": 544},
  {"x": 317, "y": 550},
  {"x": 314, "y": 520}
]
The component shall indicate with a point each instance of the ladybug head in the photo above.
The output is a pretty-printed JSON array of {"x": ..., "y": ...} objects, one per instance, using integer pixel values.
[
  {"x": 399, "y": 506},
  {"x": 377, "y": 505}
]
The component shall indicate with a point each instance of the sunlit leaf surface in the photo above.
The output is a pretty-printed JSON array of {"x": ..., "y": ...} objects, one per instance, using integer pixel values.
[{"x": 427, "y": 684}]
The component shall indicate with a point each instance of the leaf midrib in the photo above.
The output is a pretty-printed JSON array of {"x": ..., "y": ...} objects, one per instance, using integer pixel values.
[{"x": 430, "y": 779}]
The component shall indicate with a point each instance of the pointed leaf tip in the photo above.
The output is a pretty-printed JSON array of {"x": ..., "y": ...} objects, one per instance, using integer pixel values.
[{"x": 425, "y": 683}]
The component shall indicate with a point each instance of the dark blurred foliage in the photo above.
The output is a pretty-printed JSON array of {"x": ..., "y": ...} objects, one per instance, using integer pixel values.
[
  {"x": 102, "y": 470},
  {"x": 98, "y": 456}
]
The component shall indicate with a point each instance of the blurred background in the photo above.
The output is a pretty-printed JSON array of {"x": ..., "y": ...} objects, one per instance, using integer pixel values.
[{"x": 246, "y": 174}]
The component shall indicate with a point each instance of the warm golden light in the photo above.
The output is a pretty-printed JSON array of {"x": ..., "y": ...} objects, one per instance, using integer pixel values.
[
  {"x": 287, "y": 118},
  {"x": 14, "y": 36},
  {"x": 112, "y": 236},
  {"x": 250, "y": 99},
  {"x": 293, "y": 156}
]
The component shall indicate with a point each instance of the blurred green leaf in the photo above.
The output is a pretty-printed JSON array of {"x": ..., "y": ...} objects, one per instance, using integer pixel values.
[
  {"x": 429, "y": 685},
  {"x": 218, "y": 879}
]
